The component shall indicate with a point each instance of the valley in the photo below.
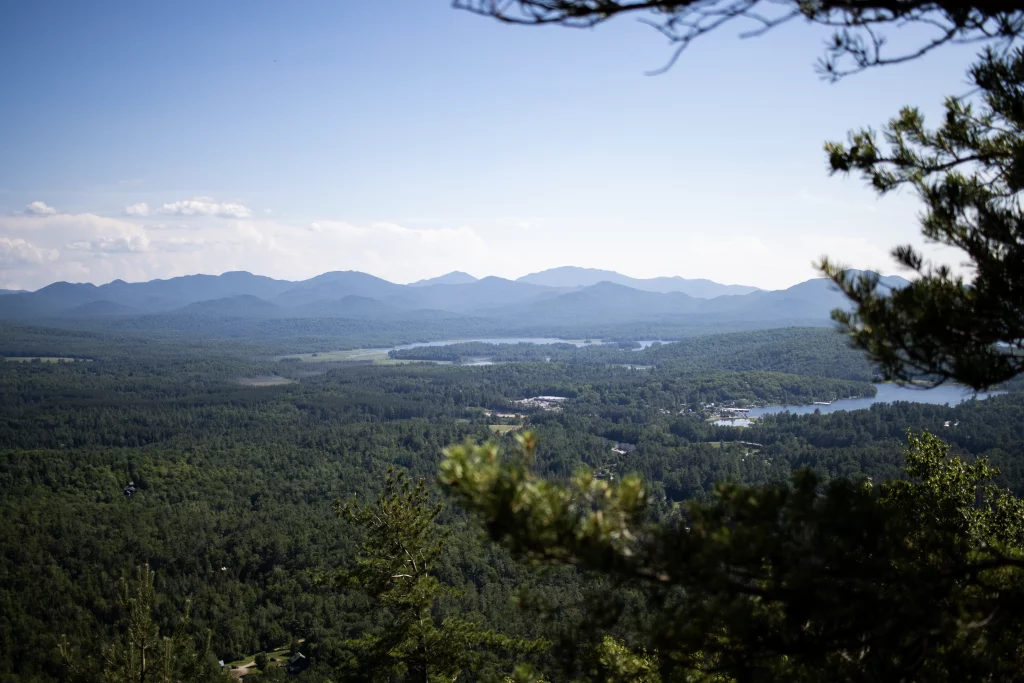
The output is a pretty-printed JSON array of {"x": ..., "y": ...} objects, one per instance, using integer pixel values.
[
  {"x": 235, "y": 455},
  {"x": 433, "y": 342}
]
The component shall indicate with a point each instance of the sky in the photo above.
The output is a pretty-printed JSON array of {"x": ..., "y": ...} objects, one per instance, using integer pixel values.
[{"x": 406, "y": 139}]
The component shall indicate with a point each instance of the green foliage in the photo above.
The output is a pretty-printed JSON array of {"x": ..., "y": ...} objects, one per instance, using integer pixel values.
[
  {"x": 800, "y": 351},
  {"x": 235, "y": 484},
  {"x": 141, "y": 654},
  {"x": 618, "y": 664},
  {"x": 969, "y": 173},
  {"x": 587, "y": 521},
  {"x": 396, "y": 565},
  {"x": 915, "y": 580}
]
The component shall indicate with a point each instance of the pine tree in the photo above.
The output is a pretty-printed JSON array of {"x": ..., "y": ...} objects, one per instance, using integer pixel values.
[
  {"x": 918, "y": 580},
  {"x": 141, "y": 654},
  {"x": 969, "y": 173},
  {"x": 395, "y": 566}
]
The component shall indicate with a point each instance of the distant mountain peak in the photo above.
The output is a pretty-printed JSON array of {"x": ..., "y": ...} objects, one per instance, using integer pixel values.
[
  {"x": 891, "y": 281},
  {"x": 574, "y": 276},
  {"x": 456, "y": 277}
]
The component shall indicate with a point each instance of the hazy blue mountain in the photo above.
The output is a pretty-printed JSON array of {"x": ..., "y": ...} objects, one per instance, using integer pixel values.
[
  {"x": 364, "y": 308},
  {"x": 810, "y": 301},
  {"x": 156, "y": 295},
  {"x": 807, "y": 303},
  {"x": 99, "y": 309},
  {"x": 49, "y": 301},
  {"x": 456, "y": 277},
  {"x": 488, "y": 292},
  {"x": 12, "y": 291},
  {"x": 241, "y": 306},
  {"x": 64, "y": 298},
  {"x": 603, "y": 303},
  {"x": 495, "y": 303},
  {"x": 337, "y": 285},
  {"x": 571, "y": 276},
  {"x": 352, "y": 306}
]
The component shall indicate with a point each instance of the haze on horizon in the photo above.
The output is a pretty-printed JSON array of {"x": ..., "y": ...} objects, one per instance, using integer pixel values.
[{"x": 407, "y": 140}]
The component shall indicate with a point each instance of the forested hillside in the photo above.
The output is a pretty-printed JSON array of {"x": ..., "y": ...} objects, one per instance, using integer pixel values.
[{"x": 233, "y": 478}]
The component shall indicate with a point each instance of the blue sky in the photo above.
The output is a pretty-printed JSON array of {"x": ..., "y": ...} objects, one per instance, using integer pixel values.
[{"x": 406, "y": 139}]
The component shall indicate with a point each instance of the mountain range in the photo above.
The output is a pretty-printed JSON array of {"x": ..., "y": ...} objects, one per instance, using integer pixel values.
[
  {"x": 559, "y": 298},
  {"x": 573, "y": 277}
]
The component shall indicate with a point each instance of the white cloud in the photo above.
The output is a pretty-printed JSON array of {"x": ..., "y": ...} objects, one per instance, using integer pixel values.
[
  {"x": 113, "y": 244},
  {"x": 40, "y": 209},
  {"x": 17, "y": 252},
  {"x": 206, "y": 206},
  {"x": 91, "y": 247},
  {"x": 140, "y": 209},
  {"x": 59, "y": 232}
]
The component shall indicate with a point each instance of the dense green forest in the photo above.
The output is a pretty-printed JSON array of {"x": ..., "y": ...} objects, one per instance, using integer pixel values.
[
  {"x": 233, "y": 484},
  {"x": 803, "y": 351}
]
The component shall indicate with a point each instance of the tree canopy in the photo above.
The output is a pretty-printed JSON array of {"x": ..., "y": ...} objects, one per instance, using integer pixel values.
[
  {"x": 396, "y": 565},
  {"x": 969, "y": 173},
  {"x": 915, "y": 580}
]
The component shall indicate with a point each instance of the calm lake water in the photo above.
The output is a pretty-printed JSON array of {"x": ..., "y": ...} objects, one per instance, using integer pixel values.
[
  {"x": 887, "y": 393},
  {"x": 522, "y": 340}
]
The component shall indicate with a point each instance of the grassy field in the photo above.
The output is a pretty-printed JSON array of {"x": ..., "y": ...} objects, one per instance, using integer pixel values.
[
  {"x": 375, "y": 356},
  {"x": 504, "y": 429},
  {"x": 277, "y": 658},
  {"x": 340, "y": 356}
]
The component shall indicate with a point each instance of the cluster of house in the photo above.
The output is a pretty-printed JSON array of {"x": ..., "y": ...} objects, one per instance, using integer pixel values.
[
  {"x": 618, "y": 448},
  {"x": 507, "y": 416},
  {"x": 724, "y": 412},
  {"x": 542, "y": 402}
]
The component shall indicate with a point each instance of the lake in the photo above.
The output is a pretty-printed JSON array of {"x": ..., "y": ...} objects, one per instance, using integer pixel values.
[
  {"x": 524, "y": 340},
  {"x": 887, "y": 393},
  {"x": 377, "y": 355}
]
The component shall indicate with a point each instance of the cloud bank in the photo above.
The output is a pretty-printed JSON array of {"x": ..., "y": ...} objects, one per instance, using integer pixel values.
[
  {"x": 205, "y": 206},
  {"x": 41, "y": 245},
  {"x": 17, "y": 252},
  {"x": 209, "y": 236}
]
